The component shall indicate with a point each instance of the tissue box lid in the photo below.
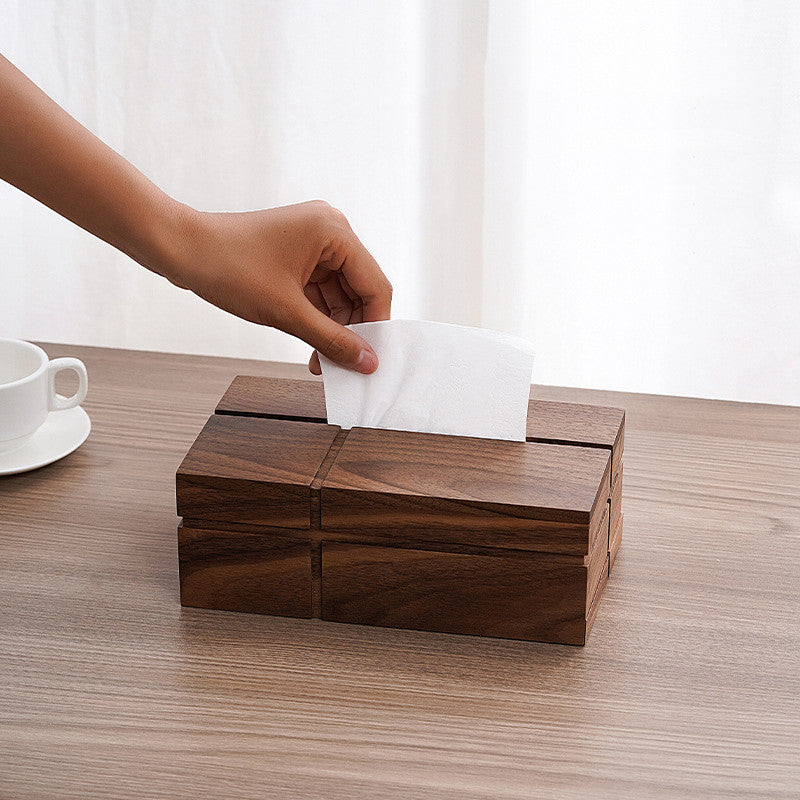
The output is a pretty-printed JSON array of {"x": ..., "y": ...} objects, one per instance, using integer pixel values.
[
  {"x": 481, "y": 492},
  {"x": 253, "y": 471},
  {"x": 548, "y": 421}
]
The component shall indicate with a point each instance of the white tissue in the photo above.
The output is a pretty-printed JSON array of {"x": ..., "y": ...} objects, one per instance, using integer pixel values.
[{"x": 434, "y": 378}]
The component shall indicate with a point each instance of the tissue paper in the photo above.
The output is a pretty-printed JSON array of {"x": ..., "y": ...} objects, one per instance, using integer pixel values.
[{"x": 434, "y": 378}]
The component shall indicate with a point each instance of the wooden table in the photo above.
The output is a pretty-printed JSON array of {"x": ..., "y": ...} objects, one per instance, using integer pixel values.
[{"x": 688, "y": 687}]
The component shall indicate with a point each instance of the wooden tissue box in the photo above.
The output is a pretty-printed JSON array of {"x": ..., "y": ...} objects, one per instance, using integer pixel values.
[{"x": 284, "y": 514}]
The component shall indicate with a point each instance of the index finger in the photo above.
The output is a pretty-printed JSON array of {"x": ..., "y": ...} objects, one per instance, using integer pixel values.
[{"x": 366, "y": 279}]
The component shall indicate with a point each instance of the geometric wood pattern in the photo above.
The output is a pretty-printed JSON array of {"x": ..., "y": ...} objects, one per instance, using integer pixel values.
[
  {"x": 255, "y": 471},
  {"x": 237, "y": 571},
  {"x": 286, "y": 515}
]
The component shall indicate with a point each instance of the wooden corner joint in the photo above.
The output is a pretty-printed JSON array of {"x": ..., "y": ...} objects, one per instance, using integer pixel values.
[{"x": 315, "y": 488}]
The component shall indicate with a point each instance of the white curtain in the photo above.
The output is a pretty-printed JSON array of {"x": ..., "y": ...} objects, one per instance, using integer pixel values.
[{"x": 618, "y": 182}]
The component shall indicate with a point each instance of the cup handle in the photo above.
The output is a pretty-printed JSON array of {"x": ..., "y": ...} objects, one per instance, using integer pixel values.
[{"x": 57, "y": 403}]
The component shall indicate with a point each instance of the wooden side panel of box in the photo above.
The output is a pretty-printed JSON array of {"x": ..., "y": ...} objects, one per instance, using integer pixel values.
[
  {"x": 616, "y": 541},
  {"x": 244, "y": 571},
  {"x": 616, "y": 498},
  {"x": 618, "y": 451},
  {"x": 615, "y": 518},
  {"x": 595, "y": 603},
  {"x": 536, "y": 597},
  {"x": 521, "y": 495}
]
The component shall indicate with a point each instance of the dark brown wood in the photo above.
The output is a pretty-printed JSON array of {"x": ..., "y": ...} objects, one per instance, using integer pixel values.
[
  {"x": 319, "y": 478},
  {"x": 276, "y": 398},
  {"x": 573, "y": 423},
  {"x": 244, "y": 572},
  {"x": 315, "y": 547},
  {"x": 264, "y": 571},
  {"x": 577, "y": 424},
  {"x": 531, "y": 597},
  {"x": 596, "y": 562},
  {"x": 256, "y": 471},
  {"x": 397, "y": 492},
  {"x": 445, "y": 540},
  {"x": 553, "y": 422},
  {"x": 506, "y": 494}
]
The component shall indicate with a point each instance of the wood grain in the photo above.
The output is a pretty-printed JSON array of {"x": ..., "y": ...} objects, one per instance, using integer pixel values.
[
  {"x": 688, "y": 687},
  {"x": 530, "y": 597},
  {"x": 615, "y": 517},
  {"x": 444, "y": 539},
  {"x": 539, "y": 496},
  {"x": 553, "y": 422},
  {"x": 244, "y": 572},
  {"x": 615, "y": 541},
  {"x": 279, "y": 398},
  {"x": 262, "y": 572},
  {"x": 578, "y": 424},
  {"x": 257, "y": 471},
  {"x": 616, "y": 498},
  {"x": 464, "y": 493}
]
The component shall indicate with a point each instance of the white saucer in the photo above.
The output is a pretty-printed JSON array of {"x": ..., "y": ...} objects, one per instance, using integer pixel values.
[{"x": 62, "y": 433}]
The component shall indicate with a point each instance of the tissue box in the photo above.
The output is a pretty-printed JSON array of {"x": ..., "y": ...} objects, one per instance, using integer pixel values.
[{"x": 285, "y": 514}]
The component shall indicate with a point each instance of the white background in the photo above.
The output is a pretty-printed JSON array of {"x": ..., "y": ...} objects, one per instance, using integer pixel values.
[{"x": 618, "y": 182}]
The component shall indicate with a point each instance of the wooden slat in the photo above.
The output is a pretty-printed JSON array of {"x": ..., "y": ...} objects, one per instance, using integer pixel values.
[
  {"x": 616, "y": 541},
  {"x": 244, "y": 572},
  {"x": 256, "y": 471},
  {"x": 546, "y": 495},
  {"x": 444, "y": 540},
  {"x": 277, "y": 398},
  {"x": 596, "y": 559},
  {"x": 575, "y": 424},
  {"x": 616, "y": 498},
  {"x": 520, "y": 598}
]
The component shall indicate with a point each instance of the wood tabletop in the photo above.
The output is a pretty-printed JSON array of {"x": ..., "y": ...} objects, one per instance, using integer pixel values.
[{"x": 688, "y": 688}]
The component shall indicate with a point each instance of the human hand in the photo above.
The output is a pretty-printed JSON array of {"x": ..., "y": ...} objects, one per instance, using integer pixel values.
[{"x": 297, "y": 268}]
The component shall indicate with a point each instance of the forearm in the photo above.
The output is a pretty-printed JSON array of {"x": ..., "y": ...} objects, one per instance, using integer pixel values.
[
  {"x": 50, "y": 156},
  {"x": 298, "y": 268}
]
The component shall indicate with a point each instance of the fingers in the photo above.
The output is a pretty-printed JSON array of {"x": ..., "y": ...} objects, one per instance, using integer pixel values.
[
  {"x": 313, "y": 293},
  {"x": 332, "y": 339},
  {"x": 357, "y": 314},
  {"x": 364, "y": 277},
  {"x": 349, "y": 288},
  {"x": 338, "y": 301}
]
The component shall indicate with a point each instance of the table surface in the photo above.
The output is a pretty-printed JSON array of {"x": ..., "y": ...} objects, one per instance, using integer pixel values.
[{"x": 688, "y": 687}]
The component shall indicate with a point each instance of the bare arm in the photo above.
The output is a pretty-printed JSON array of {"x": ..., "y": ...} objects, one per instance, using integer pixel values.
[{"x": 298, "y": 268}]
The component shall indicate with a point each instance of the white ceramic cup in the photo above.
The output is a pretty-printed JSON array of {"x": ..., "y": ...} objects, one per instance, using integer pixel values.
[{"x": 27, "y": 390}]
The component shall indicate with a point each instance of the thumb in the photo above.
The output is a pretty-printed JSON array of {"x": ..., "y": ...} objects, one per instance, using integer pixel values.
[{"x": 332, "y": 340}]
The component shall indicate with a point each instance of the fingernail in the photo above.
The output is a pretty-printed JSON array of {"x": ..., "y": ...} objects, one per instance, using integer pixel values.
[{"x": 367, "y": 362}]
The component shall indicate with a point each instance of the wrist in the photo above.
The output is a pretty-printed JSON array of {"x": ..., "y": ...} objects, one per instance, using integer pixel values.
[{"x": 168, "y": 241}]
